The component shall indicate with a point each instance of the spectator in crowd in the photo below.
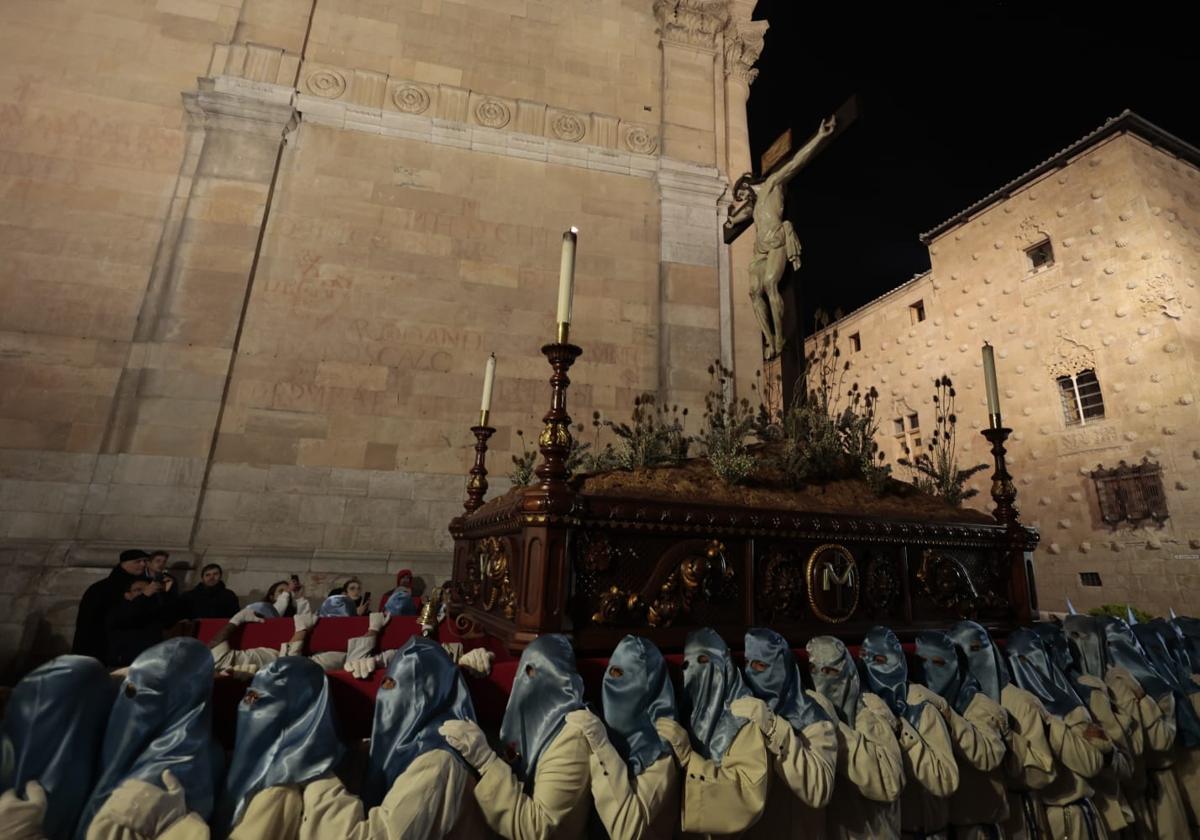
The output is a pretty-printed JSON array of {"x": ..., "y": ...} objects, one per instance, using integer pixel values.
[
  {"x": 399, "y": 601},
  {"x": 210, "y": 598},
  {"x": 136, "y": 622},
  {"x": 352, "y": 590},
  {"x": 101, "y": 597},
  {"x": 283, "y": 599}
]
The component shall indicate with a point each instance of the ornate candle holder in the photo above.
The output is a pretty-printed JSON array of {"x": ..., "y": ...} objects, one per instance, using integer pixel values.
[
  {"x": 554, "y": 441},
  {"x": 477, "y": 484},
  {"x": 1003, "y": 491}
]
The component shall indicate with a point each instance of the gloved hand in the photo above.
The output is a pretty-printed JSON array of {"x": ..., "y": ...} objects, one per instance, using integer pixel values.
[
  {"x": 591, "y": 726},
  {"x": 246, "y": 615},
  {"x": 21, "y": 819},
  {"x": 362, "y": 669},
  {"x": 674, "y": 734},
  {"x": 466, "y": 737},
  {"x": 756, "y": 711},
  {"x": 303, "y": 622},
  {"x": 377, "y": 620},
  {"x": 928, "y": 695},
  {"x": 477, "y": 662}
]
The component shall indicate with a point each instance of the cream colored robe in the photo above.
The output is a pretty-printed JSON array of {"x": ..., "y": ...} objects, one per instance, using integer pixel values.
[
  {"x": 726, "y": 799},
  {"x": 1029, "y": 762},
  {"x": 558, "y": 805},
  {"x": 428, "y": 801},
  {"x": 805, "y": 766},
  {"x": 1187, "y": 771},
  {"x": 1079, "y": 759},
  {"x": 228, "y": 658},
  {"x": 633, "y": 807},
  {"x": 980, "y": 737},
  {"x": 274, "y": 812},
  {"x": 870, "y": 773},
  {"x": 1154, "y": 793},
  {"x": 138, "y": 810},
  {"x": 930, "y": 769},
  {"x": 1108, "y": 796}
]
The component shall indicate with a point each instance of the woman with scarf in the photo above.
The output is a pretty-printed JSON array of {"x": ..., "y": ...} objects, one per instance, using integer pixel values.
[
  {"x": 1187, "y": 765},
  {"x": 544, "y": 793},
  {"x": 929, "y": 766},
  {"x": 1140, "y": 691},
  {"x": 1079, "y": 745},
  {"x": 800, "y": 737},
  {"x": 723, "y": 757},
  {"x": 285, "y": 738},
  {"x": 870, "y": 769},
  {"x": 978, "y": 727},
  {"x": 158, "y": 732},
  {"x": 1066, "y": 644},
  {"x": 1029, "y": 760},
  {"x": 399, "y": 601},
  {"x": 635, "y": 783},
  {"x": 52, "y": 733},
  {"x": 417, "y": 787}
]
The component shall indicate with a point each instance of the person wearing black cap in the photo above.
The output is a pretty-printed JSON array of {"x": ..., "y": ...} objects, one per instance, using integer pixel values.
[{"x": 101, "y": 597}]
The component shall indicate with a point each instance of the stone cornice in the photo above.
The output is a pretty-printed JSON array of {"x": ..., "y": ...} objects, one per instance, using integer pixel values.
[{"x": 696, "y": 23}]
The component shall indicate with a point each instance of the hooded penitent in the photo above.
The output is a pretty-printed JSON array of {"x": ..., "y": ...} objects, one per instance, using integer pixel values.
[
  {"x": 711, "y": 681},
  {"x": 337, "y": 605},
  {"x": 887, "y": 672},
  {"x": 1034, "y": 670},
  {"x": 1175, "y": 645},
  {"x": 773, "y": 675},
  {"x": 637, "y": 691},
  {"x": 423, "y": 689},
  {"x": 835, "y": 675},
  {"x": 944, "y": 669},
  {"x": 52, "y": 733},
  {"x": 1085, "y": 633},
  {"x": 285, "y": 736},
  {"x": 1189, "y": 629},
  {"x": 161, "y": 720},
  {"x": 400, "y": 600},
  {"x": 546, "y": 689},
  {"x": 1160, "y": 659},
  {"x": 984, "y": 659}
]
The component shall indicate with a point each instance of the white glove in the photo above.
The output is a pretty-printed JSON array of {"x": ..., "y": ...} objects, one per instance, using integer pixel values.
[
  {"x": 246, "y": 615},
  {"x": 21, "y": 819},
  {"x": 377, "y": 620},
  {"x": 755, "y": 711},
  {"x": 477, "y": 662},
  {"x": 674, "y": 734},
  {"x": 144, "y": 809},
  {"x": 362, "y": 669},
  {"x": 303, "y": 622},
  {"x": 591, "y": 726},
  {"x": 466, "y": 737}
]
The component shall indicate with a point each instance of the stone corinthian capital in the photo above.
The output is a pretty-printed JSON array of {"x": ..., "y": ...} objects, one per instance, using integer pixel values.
[
  {"x": 694, "y": 22},
  {"x": 743, "y": 46}
]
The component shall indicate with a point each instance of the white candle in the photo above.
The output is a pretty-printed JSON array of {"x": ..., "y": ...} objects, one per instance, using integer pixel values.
[
  {"x": 489, "y": 377},
  {"x": 566, "y": 276},
  {"x": 990, "y": 384}
]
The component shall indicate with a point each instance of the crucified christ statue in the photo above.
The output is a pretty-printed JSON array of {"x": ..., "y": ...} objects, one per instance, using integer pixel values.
[{"x": 775, "y": 241}]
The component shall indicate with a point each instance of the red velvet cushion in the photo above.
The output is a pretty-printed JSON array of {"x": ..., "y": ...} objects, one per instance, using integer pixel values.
[
  {"x": 397, "y": 631},
  {"x": 206, "y": 628},
  {"x": 269, "y": 633},
  {"x": 354, "y": 702},
  {"x": 334, "y": 633}
]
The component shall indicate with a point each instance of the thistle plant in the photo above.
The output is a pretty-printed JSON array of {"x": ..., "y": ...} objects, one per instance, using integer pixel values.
[{"x": 935, "y": 471}]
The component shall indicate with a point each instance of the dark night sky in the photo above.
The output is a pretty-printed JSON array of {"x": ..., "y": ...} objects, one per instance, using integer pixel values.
[{"x": 952, "y": 106}]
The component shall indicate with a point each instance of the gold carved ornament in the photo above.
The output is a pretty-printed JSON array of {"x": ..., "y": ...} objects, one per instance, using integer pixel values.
[
  {"x": 681, "y": 587},
  {"x": 824, "y": 574},
  {"x": 555, "y": 434},
  {"x": 494, "y": 569}
]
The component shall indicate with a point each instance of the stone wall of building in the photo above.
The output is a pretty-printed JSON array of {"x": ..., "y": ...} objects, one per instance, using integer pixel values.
[
  {"x": 257, "y": 252},
  {"x": 1119, "y": 299}
]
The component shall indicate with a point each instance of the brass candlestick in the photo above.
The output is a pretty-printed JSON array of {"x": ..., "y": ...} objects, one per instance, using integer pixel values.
[
  {"x": 554, "y": 442},
  {"x": 1003, "y": 491},
  {"x": 477, "y": 484}
]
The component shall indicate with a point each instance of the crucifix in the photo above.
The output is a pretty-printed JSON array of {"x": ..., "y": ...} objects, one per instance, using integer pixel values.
[{"x": 761, "y": 202}]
